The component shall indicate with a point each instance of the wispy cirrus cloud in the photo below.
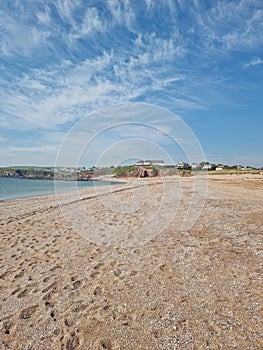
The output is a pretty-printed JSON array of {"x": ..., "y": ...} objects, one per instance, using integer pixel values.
[
  {"x": 122, "y": 12},
  {"x": 66, "y": 8},
  {"x": 19, "y": 38},
  {"x": 62, "y": 92},
  {"x": 227, "y": 25},
  {"x": 254, "y": 61},
  {"x": 61, "y": 60},
  {"x": 51, "y": 98}
]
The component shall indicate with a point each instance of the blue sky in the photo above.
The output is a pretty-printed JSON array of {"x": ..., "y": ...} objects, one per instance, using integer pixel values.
[{"x": 62, "y": 60}]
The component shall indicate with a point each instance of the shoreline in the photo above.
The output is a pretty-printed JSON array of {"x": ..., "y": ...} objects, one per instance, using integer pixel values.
[
  {"x": 129, "y": 180},
  {"x": 50, "y": 191}
]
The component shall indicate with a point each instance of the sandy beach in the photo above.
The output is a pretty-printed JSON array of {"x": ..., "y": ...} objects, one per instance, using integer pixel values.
[{"x": 145, "y": 265}]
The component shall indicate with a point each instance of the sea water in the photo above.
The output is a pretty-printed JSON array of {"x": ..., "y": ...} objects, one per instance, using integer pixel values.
[{"x": 18, "y": 188}]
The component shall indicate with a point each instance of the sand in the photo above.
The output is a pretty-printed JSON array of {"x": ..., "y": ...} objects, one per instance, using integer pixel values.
[{"x": 83, "y": 272}]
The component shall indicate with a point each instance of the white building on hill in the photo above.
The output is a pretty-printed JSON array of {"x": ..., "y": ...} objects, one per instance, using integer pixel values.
[{"x": 151, "y": 162}]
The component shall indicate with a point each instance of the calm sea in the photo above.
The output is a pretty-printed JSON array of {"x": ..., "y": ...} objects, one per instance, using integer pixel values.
[{"x": 18, "y": 188}]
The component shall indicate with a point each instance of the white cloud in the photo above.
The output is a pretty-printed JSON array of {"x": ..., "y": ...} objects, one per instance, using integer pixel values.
[
  {"x": 17, "y": 37},
  {"x": 255, "y": 61},
  {"x": 184, "y": 103},
  {"x": 39, "y": 155},
  {"x": 149, "y": 4},
  {"x": 91, "y": 21},
  {"x": 50, "y": 97},
  {"x": 44, "y": 16},
  {"x": 85, "y": 63},
  {"x": 228, "y": 26},
  {"x": 34, "y": 149},
  {"x": 66, "y": 9},
  {"x": 65, "y": 92},
  {"x": 122, "y": 12}
]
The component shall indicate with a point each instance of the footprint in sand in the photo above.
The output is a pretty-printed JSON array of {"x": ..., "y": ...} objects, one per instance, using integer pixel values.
[{"x": 28, "y": 312}]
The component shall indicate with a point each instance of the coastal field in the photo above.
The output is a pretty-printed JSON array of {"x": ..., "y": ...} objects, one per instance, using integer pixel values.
[{"x": 150, "y": 264}]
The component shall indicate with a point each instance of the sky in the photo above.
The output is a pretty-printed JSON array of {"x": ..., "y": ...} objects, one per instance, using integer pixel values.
[{"x": 72, "y": 67}]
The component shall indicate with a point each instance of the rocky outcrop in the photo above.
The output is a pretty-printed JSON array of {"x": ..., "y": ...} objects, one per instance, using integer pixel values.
[
  {"x": 146, "y": 172},
  {"x": 140, "y": 172}
]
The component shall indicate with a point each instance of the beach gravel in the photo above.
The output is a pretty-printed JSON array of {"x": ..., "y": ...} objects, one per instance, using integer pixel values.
[{"x": 199, "y": 288}]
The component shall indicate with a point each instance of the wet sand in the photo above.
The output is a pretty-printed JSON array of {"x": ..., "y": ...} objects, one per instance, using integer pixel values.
[{"x": 199, "y": 288}]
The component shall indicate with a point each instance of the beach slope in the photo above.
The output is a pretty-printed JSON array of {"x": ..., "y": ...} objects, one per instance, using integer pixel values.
[{"x": 199, "y": 288}]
